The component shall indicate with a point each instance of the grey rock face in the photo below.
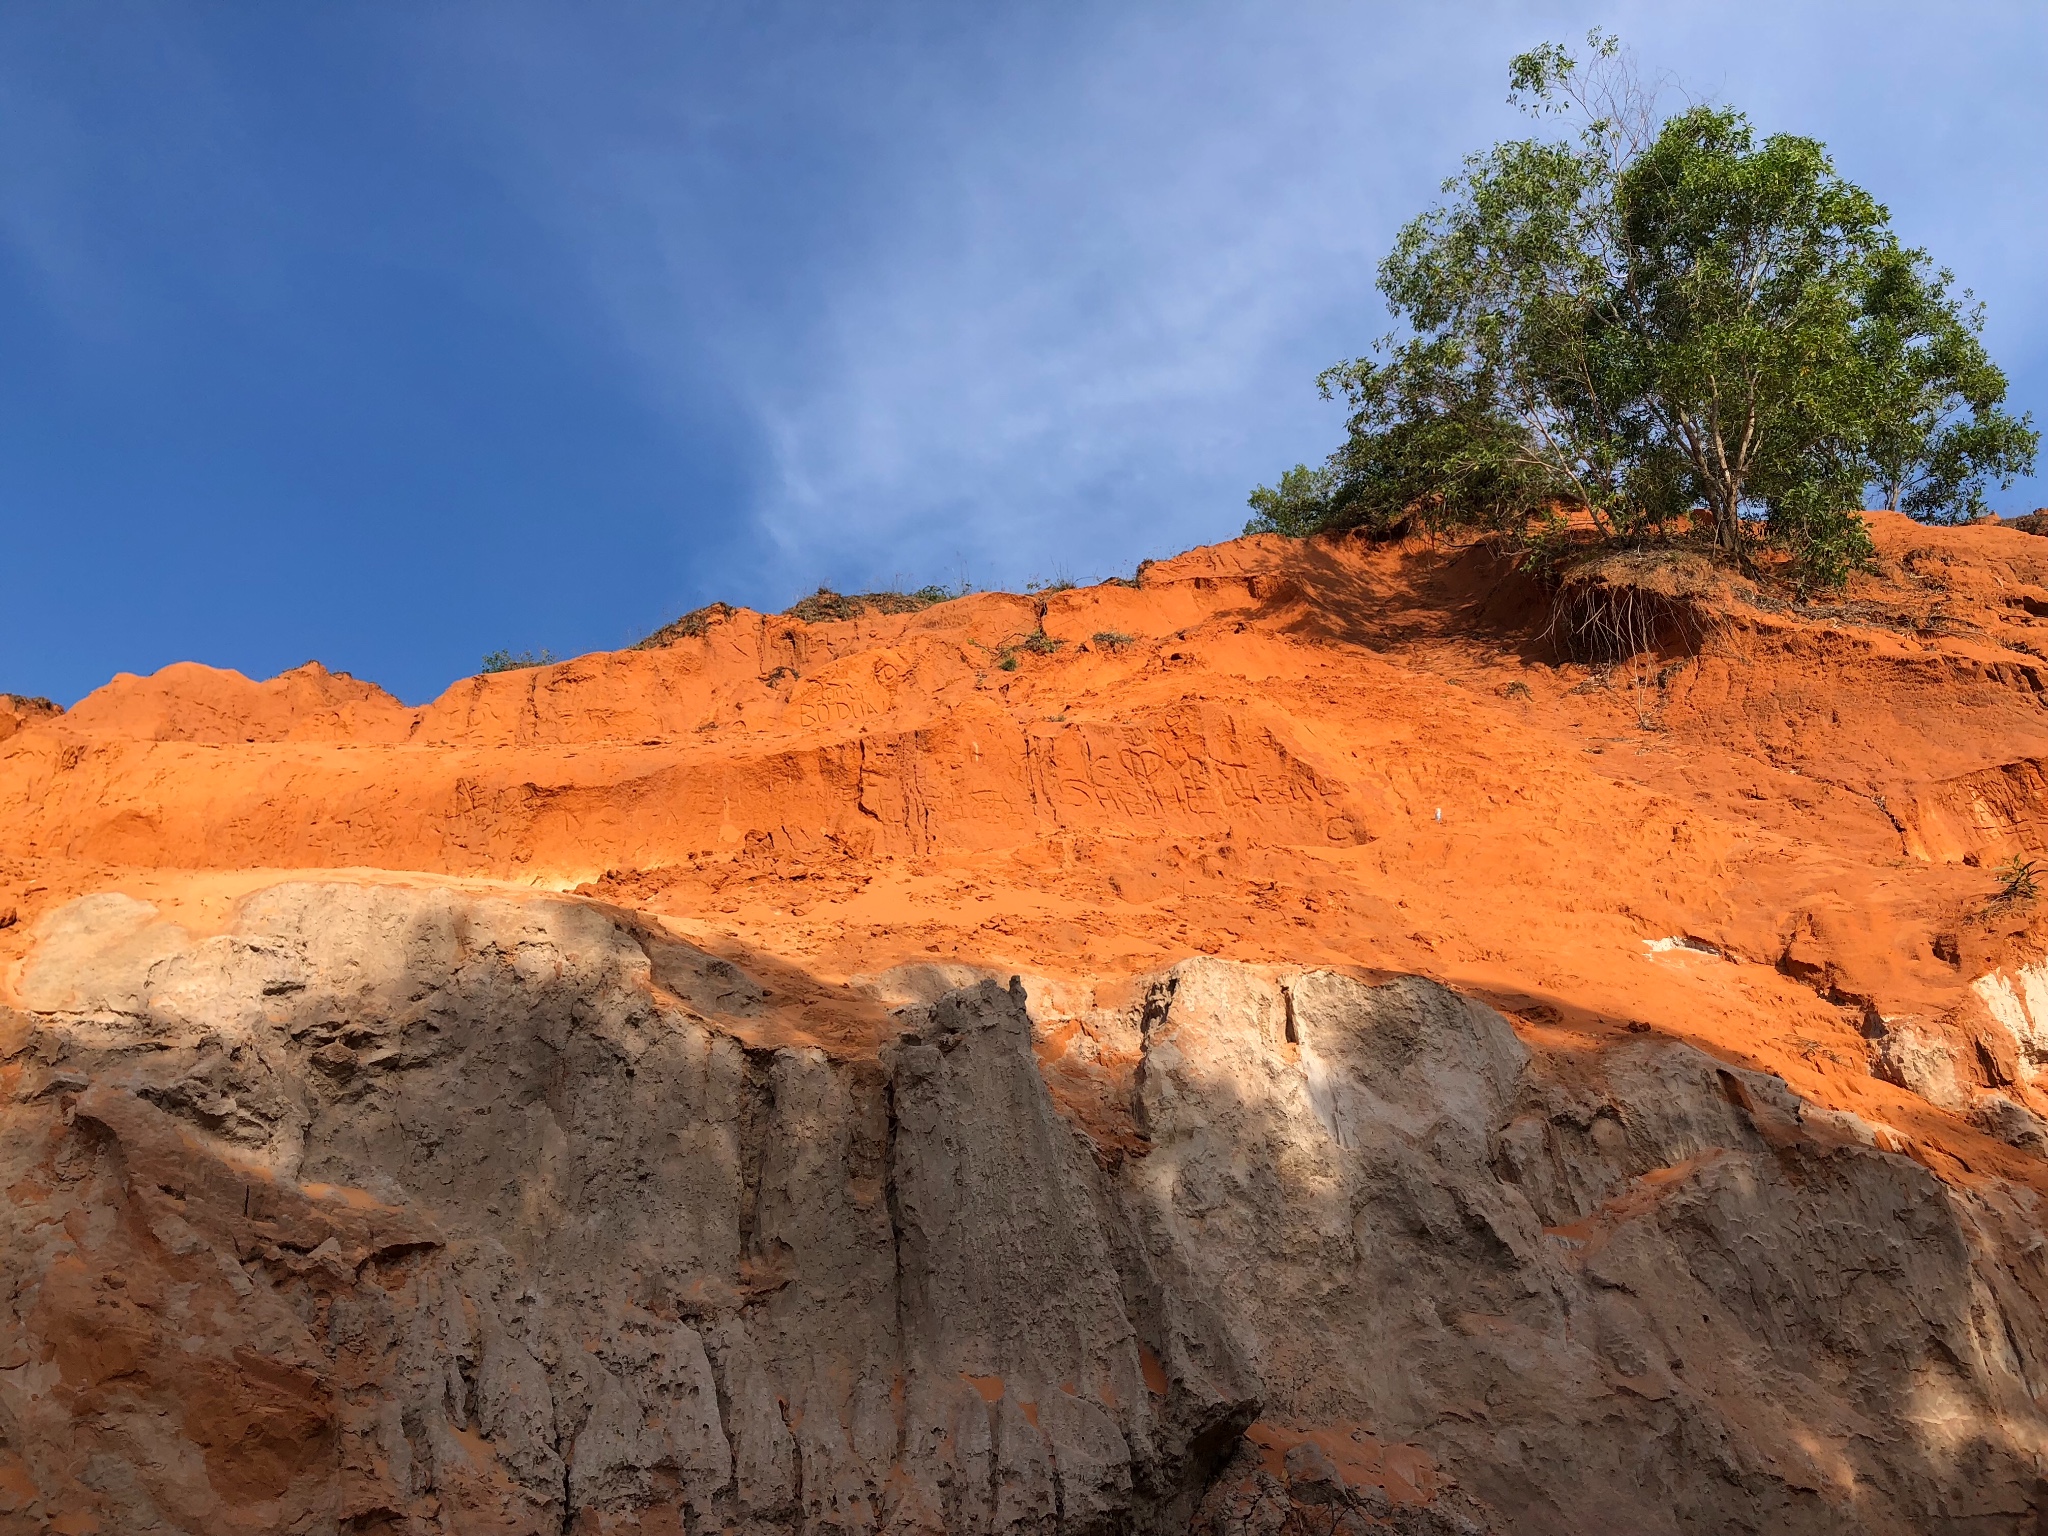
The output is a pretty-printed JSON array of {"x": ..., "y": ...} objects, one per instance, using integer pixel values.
[{"x": 397, "y": 1209}]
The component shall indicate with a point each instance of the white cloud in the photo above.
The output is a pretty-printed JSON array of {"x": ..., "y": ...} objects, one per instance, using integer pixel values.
[{"x": 1051, "y": 289}]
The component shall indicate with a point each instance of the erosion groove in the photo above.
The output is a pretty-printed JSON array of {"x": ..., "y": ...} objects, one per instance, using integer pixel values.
[{"x": 461, "y": 1224}]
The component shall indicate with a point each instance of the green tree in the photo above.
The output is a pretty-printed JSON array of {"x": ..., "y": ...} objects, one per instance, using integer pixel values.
[
  {"x": 1298, "y": 505},
  {"x": 1939, "y": 433},
  {"x": 1650, "y": 317}
]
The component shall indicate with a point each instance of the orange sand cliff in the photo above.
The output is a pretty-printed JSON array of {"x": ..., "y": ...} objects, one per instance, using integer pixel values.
[{"x": 1362, "y": 757}]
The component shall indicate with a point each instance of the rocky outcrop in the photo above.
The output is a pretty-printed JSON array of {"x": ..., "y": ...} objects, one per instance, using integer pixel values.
[
  {"x": 394, "y": 1208},
  {"x": 16, "y": 712}
]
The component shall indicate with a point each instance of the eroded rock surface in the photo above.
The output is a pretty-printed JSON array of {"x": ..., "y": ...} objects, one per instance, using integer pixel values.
[{"x": 402, "y": 1209}]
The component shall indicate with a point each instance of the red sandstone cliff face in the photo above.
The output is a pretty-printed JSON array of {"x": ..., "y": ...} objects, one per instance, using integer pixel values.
[{"x": 575, "y": 1103}]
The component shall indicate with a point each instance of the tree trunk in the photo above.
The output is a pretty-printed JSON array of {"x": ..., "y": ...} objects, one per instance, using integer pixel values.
[{"x": 1728, "y": 525}]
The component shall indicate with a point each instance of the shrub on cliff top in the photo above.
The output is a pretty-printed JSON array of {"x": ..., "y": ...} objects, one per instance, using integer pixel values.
[
  {"x": 824, "y": 605},
  {"x": 691, "y": 625},
  {"x": 1657, "y": 316}
]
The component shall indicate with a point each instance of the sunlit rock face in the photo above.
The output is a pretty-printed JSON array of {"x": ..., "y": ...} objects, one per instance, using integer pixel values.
[{"x": 395, "y": 1207}]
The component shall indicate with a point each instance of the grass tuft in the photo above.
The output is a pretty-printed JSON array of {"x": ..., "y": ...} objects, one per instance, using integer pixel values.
[
  {"x": 1039, "y": 643},
  {"x": 2016, "y": 880},
  {"x": 688, "y": 627},
  {"x": 825, "y": 606},
  {"x": 505, "y": 661}
]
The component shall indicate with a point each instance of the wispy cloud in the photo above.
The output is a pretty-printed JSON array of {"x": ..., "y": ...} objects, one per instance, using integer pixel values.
[{"x": 1051, "y": 289}]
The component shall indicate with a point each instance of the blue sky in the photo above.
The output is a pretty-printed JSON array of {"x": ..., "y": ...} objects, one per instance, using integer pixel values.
[{"x": 391, "y": 335}]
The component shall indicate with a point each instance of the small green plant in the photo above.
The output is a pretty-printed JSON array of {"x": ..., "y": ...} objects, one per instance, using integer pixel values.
[
  {"x": 1006, "y": 659},
  {"x": 2016, "y": 879},
  {"x": 1062, "y": 581},
  {"x": 505, "y": 661},
  {"x": 1039, "y": 643},
  {"x": 1112, "y": 639}
]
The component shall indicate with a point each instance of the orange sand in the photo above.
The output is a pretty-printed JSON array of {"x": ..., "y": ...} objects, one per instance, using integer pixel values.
[{"x": 1328, "y": 753}]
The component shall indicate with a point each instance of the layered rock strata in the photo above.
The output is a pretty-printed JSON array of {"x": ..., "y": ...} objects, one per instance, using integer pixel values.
[{"x": 402, "y": 1209}]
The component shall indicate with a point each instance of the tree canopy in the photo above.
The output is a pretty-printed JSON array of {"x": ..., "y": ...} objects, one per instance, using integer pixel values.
[{"x": 1672, "y": 326}]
